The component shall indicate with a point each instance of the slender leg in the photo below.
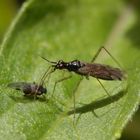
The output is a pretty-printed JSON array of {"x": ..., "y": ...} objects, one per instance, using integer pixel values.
[
  {"x": 93, "y": 112},
  {"x": 78, "y": 119},
  {"x": 112, "y": 56},
  {"x": 47, "y": 73},
  {"x": 99, "y": 50},
  {"x": 103, "y": 87},
  {"x": 42, "y": 80},
  {"x": 95, "y": 56},
  {"x": 60, "y": 80},
  {"x": 74, "y": 100}
]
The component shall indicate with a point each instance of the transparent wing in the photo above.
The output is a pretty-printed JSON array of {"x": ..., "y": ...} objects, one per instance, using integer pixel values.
[{"x": 19, "y": 85}]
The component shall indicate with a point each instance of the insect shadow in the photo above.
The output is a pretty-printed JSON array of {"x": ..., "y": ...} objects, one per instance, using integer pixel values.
[
  {"x": 98, "y": 71},
  {"x": 98, "y": 104},
  {"x": 31, "y": 90},
  {"x": 91, "y": 107},
  {"x": 27, "y": 99}
]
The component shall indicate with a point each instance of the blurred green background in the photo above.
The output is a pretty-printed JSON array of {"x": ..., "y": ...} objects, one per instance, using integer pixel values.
[{"x": 8, "y": 10}]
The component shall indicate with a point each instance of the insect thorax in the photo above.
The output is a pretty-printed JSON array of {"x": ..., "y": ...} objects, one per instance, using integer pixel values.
[{"x": 74, "y": 65}]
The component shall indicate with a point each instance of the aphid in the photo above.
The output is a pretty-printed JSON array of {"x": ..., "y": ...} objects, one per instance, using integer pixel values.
[{"x": 31, "y": 89}]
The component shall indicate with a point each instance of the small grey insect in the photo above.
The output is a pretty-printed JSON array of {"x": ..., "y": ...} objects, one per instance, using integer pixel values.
[{"x": 29, "y": 89}]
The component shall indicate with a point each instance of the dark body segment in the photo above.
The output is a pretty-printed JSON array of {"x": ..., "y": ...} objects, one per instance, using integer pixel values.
[
  {"x": 100, "y": 71},
  {"x": 28, "y": 88}
]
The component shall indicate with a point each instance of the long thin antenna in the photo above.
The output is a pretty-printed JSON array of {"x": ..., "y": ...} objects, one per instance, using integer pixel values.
[{"x": 48, "y": 60}]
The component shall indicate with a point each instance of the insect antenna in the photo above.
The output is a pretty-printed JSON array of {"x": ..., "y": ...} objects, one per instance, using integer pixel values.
[{"x": 48, "y": 60}]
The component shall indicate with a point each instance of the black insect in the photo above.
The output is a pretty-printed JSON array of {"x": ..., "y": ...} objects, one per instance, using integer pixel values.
[
  {"x": 99, "y": 71},
  {"x": 29, "y": 89}
]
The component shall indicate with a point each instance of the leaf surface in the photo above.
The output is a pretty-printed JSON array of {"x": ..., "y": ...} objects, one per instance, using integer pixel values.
[{"x": 69, "y": 30}]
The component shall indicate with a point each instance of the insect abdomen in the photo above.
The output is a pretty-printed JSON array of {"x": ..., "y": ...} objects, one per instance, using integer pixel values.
[{"x": 104, "y": 72}]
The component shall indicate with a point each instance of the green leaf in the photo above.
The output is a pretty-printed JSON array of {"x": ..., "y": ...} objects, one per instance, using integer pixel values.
[{"x": 69, "y": 30}]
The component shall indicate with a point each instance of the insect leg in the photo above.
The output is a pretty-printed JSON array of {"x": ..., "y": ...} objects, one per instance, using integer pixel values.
[
  {"x": 74, "y": 100},
  {"x": 99, "y": 50},
  {"x": 60, "y": 80},
  {"x": 77, "y": 120},
  {"x": 97, "y": 53},
  {"x": 93, "y": 112},
  {"x": 103, "y": 87},
  {"x": 42, "y": 80},
  {"x": 111, "y": 56}
]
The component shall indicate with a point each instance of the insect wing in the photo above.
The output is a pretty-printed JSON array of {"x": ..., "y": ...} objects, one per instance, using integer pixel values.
[
  {"x": 104, "y": 72},
  {"x": 19, "y": 85},
  {"x": 108, "y": 73}
]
